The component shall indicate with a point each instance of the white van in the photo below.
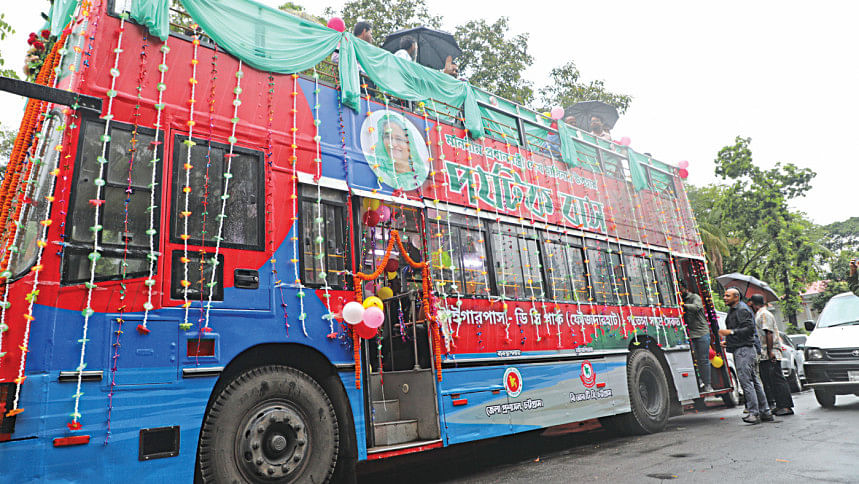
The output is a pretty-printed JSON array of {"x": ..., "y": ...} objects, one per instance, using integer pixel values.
[{"x": 832, "y": 350}]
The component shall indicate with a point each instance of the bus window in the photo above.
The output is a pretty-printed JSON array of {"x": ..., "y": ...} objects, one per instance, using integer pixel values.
[
  {"x": 578, "y": 273},
  {"x": 466, "y": 266},
  {"x": 445, "y": 272},
  {"x": 637, "y": 278},
  {"x": 604, "y": 271},
  {"x": 532, "y": 268},
  {"x": 506, "y": 253},
  {"x": 127, "y": 177},
  {"x": 473, "y": 263},
  {"x": 664, "y": 282},
  {"x": 557, "y": 269},
  {"x": 243, "y": 226},
  {"x": 334, "y": 253}
]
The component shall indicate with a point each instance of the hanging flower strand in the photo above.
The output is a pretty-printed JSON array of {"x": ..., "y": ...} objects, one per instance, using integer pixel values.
[
  {"x": 95, "y": 255},
  {"x": 320, "y": 240},
  {"x": 152, "y": 232},
  {"x": 293, "y": 161},
  {"x": 225, "y": 195},
  {"x": 186, "y": 213}
]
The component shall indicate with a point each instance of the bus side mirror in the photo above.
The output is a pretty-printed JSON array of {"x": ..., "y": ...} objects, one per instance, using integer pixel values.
[{"x": 809, "y": 325}]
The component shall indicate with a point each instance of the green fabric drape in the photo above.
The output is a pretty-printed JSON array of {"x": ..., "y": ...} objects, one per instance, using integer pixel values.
[
  {"x": 637, "y": 170},
  {"x": 658, "y": 180},
  {"x": 568, "y": 149},
  {"x": 402, "y": 78},
  {"x": 60, "y": 14},
  {"x": 263, "y": 37},
  {"x": 154, "y": 15}
]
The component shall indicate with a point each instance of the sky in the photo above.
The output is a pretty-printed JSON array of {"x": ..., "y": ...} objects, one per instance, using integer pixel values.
[{"x": 782, "y": 73}]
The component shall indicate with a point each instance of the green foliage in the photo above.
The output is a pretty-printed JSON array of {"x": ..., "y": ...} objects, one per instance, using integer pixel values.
[
  {"x": 5, "y": 31},
  {"x": 7, "y": 140},
  {"x": 842, "y": 235},
  {"x": 299, "y": 11},
  {"x": 494, "y": 62},
  {"x": 764, "y": 237},
  {"x": 386, "y": 16},
  {"x": 833, "y": 288},
  {"x": 566, "y": 87}
]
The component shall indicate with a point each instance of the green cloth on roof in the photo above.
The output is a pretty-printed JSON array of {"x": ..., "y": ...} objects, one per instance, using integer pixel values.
[
  {"x": 60, "y": 14},
  {"x": 155, "y": 16}
]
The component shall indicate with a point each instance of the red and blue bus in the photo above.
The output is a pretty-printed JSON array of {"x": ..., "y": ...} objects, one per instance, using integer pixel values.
[{"x": 216, "y": 268}]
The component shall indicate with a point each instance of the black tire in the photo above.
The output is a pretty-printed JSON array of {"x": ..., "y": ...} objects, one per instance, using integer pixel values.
[
  {"x": 732, "y": 399},
  {"x": 648, "y": 396},
  {"x": 825, "y": 398},
  {"x": 270, "y": 424},
  {"x": 793, "y": 381}
]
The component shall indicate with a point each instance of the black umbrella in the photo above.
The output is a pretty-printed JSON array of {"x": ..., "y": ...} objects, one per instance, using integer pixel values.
[
  {"x": 748, "y": 285},
  {"x": 583, "y": 111},
  {"x": 433, "y": 45}
]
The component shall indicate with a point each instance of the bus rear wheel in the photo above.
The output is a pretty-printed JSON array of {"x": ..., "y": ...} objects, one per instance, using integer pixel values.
[
  {"x": 270, "y": 424},
  {"x": 648, "y": 394}
]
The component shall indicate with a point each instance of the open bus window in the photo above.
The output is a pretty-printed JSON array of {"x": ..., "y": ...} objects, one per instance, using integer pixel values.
[
  {"x": 124, "y": 215},
  {"x": 243, "y": 225},
  {"x": 332, "y": 211},
  {"x": 458, "y": 255}
]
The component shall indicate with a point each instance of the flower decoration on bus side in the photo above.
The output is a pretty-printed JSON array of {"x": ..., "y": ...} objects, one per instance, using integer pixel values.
[
  {"x": 95, "y": 255},
  {"x": 185, "y": 213},
  {"x": 293, "y": 161},
  {"x": 395, "y": 150},
  {"x": 152, "y": 231}
]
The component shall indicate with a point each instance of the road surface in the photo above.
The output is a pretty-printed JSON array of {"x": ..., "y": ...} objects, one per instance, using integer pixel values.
[{"x": 713, "y": 445}]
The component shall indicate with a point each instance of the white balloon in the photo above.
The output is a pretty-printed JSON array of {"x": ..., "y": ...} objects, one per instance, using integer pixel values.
[{"x": 353, "y": 312}]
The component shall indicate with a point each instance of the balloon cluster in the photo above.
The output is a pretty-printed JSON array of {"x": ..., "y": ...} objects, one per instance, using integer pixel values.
[
  {"x": 375, "y": 213},
  {"x": 365, "y": 318},
  {"x": 683, "y": 171},
  {"x": 715, "y": 359}
]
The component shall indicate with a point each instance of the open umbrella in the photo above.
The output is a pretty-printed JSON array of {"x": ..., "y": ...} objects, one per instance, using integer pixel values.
[
  {"x": 433, "y": 45},
  {"x": 585, "y": 109},
  {"x": 748, "y": 285}
]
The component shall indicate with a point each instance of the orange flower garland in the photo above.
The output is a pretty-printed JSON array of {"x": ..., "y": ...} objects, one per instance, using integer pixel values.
[{"x": 427, "y": 285}]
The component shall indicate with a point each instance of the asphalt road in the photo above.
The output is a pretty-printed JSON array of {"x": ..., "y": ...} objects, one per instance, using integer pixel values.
[{"x": 713, "y": 445}]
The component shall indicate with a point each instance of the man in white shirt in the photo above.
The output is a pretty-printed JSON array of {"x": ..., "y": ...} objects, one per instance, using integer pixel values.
[
  {"x": 408, "y": 49},
  {"x": 775, "y": 386}
]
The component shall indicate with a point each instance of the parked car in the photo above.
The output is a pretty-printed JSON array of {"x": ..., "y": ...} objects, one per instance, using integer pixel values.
[
  {"x": 798, "y": 340},
  {"x": 791, "y": 363},
  {"x": 832, "y": 350}
]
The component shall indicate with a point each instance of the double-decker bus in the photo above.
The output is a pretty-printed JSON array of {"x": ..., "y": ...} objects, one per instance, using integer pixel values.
[{"x": 225, "y": 258}]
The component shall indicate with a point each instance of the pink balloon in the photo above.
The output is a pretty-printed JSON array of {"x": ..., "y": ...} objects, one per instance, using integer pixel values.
[
  {"x": 625, "y": 141},
  {"x": 337, "y": 24},
  {"x": 683, "y": 172},
  {"x": 373, "y": 317},
  {"x": 683, "y": 164},
  {"x": 384, "y": 212},
  {"x": 557, "y": 112}
]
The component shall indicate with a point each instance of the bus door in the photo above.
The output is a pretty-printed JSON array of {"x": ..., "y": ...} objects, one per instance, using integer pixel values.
[
  {"x": 692, "y": 272},
  {"x": 227, "y": 274},
  {"x": 401, "y": 396}
]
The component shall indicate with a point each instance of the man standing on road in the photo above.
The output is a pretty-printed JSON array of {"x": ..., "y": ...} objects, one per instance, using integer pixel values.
[
  {"x": 775, "y": 386},
  {"x": 699, "y": 333},
  {"x": 739, "y": 335}
]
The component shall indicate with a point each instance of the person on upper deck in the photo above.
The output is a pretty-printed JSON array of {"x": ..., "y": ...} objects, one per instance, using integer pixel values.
[
  {"x": 598, "y": 128},
  {"x": 408, "y": 48},
  {"x": 363, "y": 30}
]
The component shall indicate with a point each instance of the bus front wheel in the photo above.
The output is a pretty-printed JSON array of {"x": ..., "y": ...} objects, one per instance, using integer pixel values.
[
  {"x": 648, "y": 394},
  {"x": 271, "y": 423}
]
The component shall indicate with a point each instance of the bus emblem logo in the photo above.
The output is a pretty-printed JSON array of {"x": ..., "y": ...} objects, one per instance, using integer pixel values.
[
  {"x": 512, "y": 382},
  {"x": 588, "y": 376}
]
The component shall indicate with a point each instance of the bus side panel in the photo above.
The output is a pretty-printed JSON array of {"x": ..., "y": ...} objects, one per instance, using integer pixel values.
[
  {"x": 356, "y": 403},
  {"x": 476, "y": 404}
]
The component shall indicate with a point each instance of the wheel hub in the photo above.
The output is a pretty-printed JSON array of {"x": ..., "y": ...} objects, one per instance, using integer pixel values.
[{"x": 273, "y": 442}]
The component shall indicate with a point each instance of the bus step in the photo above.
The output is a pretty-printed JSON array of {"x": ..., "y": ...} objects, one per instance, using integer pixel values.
[
  {"x": 396, "y": 432},
  {"x": 386, "y": 410}
]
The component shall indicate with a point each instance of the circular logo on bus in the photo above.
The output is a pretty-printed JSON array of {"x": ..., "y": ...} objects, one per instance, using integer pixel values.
[
  {"x": 513, "y": 382},
  {"x": 588, "y": 376}
]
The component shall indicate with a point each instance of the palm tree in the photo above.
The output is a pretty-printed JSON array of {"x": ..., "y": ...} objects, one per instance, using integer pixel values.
[{"x": 715, "y": 246}]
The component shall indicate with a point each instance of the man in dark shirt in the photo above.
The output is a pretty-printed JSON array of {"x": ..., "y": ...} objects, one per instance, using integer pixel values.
[
  {"x": 699, "y": 333},
  {"x": 853, "y": 279},
  {"x": 739, "y": 336}
]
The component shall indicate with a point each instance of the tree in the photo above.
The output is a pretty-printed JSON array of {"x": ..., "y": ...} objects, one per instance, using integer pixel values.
[
  {"x": 7, "y": 140},
  {"x": 386, "y": 16},
  {"x": 766, "y": 239},
  {"x": 566, "y": 87},
  {"x": 494, "y": 62},
  {"x": 842, "y": 235},
  {"x": 299, "y": 11},
  {"x": 5, "y": 30}
]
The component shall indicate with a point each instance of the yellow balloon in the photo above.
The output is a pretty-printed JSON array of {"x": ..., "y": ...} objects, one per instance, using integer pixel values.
[
  {"x": 374, "y": 204},
  {"x": 373, "y": 301},
  {"x": 717, "y": 361},
  {"x": 392, "y": 276},
  {"x": 385, "y": 292}
]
